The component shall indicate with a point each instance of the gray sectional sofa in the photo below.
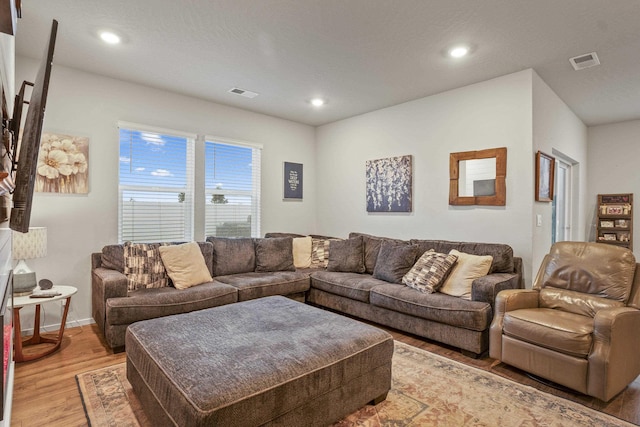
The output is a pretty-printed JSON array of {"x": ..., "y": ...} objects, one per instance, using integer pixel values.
[{"x": 245, "y": 268}]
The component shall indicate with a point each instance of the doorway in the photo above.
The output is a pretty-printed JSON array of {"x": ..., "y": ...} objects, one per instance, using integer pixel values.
[{"x": 562, "y": 202}]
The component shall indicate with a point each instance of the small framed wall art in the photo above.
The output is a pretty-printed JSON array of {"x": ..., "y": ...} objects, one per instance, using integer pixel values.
[
  {"x": 545, "y": 170},
  {"x": 292, "y": 181}
]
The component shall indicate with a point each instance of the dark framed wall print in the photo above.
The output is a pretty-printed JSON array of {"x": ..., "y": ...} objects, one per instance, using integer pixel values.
[
  {"x": 389, "y": 183},
  {"x": 545, "y": 170},
  {"x": 292, "y": 181}
]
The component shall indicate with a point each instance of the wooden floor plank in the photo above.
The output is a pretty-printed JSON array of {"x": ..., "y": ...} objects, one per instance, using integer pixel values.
[{"x": 46, "y": 393}]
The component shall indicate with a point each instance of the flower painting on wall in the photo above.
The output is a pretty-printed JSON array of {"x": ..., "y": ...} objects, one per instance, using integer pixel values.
[
  {"x": 63, "y": 164},
  {"x": 389, "y": 184}
]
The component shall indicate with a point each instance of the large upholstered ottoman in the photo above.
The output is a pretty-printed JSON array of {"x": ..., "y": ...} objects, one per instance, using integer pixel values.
[{"x": 270, "y": 361}]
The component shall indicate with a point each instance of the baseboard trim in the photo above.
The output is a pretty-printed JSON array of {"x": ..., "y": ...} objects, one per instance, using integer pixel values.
[{"x": 53, "y": 328}]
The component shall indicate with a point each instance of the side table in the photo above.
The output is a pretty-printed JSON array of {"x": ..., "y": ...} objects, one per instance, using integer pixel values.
[{"x": 24, "y": 301}]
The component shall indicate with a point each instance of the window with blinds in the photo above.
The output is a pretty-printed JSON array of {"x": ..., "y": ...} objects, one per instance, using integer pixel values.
[
  {"x": 156, "y": 186},
  {"x": 232, "y": 189}
]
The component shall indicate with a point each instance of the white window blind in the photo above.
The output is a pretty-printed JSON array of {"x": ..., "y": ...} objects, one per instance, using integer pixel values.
[
  {"x": 156, "y": 186},
  {"x": 232, "y": 189}
]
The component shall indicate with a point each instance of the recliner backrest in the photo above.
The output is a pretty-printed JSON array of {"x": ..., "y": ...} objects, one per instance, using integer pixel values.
[{"x": 572, "y": 269}]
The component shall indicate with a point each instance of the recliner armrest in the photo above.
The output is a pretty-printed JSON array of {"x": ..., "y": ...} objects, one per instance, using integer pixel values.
[
  {"x": 508, "y": 300},
  {"x": 614, "y": 362}
]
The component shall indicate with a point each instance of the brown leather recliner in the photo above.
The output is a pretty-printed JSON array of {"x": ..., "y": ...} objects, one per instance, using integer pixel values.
[{"x": 580, "y": 324}]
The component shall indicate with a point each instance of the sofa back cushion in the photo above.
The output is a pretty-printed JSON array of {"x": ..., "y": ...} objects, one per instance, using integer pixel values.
[
  {"x": 502, "y": 254},
  {"x": 372, "y": 248},
  {"x": 113, "y": 257},
  {"x": 232, "y": 255},
  {"x": 274, "y": 254}
]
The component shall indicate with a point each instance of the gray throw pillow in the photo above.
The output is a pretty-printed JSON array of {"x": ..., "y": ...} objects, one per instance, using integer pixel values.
[
  {"x": 232, "y": 255},
  {"x": 347, "y": 255},
  {"x": 394, "y": 261},
  {"x": 274, "y": 254}
]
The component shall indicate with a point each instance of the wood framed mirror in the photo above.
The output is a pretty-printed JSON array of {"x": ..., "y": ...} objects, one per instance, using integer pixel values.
[{"x": 478, "y": 177}]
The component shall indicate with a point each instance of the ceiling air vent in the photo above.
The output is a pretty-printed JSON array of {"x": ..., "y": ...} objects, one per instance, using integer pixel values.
[
  {"x": 584, "y": 61},
  {"x": 242, "y": 92}
]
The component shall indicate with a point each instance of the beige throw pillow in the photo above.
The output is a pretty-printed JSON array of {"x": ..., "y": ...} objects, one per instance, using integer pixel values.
[
  {"x": 467, "y": 269},
  {"x": 185, "y": 265},
  {"x": 302, "y": 252}
]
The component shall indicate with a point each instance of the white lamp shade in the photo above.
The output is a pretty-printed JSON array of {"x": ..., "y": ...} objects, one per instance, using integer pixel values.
[{"x": 29, "y": 245}]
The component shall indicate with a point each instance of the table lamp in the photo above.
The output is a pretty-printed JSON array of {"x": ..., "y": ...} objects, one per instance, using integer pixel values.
[{"x": 27, "y": 246}]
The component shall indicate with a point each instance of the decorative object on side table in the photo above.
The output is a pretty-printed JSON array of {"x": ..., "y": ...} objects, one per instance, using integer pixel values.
[
  {"x": 545, "y": 170},
  {"x": 29, "y": 245}
]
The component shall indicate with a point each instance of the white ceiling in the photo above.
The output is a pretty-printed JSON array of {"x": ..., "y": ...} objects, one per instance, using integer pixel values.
[{"x": 361, "y": 55}]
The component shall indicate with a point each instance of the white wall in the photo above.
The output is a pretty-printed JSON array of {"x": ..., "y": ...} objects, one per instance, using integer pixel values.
[
  {"x": 494, "y": 113},
  {"x": 614, "y": 151},
  {"x": 558, "y": 131},
  {"x": 90, "y": 105}
]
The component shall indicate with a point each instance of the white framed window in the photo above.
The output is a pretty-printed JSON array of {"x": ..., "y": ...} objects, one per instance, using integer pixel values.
[
  {"x": 156, "y": 184},
  {"x": 232, "y": 188}
]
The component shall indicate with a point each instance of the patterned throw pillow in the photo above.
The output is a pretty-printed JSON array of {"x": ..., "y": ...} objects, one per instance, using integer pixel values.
[
  {"x": 320, "y": 252},
  {"x": 143, "y": 266},
  {"x": 429, "y": 271}
]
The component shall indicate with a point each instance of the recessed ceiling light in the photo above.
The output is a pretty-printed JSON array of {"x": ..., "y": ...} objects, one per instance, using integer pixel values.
[
  {"x": 317, "y": 102},
  {"x": 458, "y": 51},
  {"x": 109, "y": 37}
]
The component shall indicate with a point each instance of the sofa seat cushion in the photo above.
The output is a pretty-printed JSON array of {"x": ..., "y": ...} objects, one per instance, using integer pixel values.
[
  {"x": 144, "y": 304},
  {"x": 258, "y": 285},
  {"x": 557, "y": 330},
  {"x": 351, "y": 285},
  {"x": 473, "y": 315}
]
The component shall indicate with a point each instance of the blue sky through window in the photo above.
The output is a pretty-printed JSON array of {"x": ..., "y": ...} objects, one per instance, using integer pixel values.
[
  {"x": 151, "y": 159},
  {"x": 228, "y": 167}
]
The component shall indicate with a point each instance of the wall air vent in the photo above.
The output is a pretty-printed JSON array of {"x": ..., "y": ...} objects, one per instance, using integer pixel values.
[
  {"x": 243, "y": 92},
  {"x": 584, "y": 61}
]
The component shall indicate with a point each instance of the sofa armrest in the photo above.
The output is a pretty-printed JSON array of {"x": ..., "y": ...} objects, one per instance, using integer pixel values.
[
  {"x": 110, "y": 283},
  {"x": 105, "y": 284},
  {"x": 487, "y": 287},
  {"x": 518, "y": 269},
  {"x": 613, "y": 361}
]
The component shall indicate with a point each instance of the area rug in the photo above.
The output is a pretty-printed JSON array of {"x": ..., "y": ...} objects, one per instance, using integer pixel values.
[{"x": 427, "y": 390}]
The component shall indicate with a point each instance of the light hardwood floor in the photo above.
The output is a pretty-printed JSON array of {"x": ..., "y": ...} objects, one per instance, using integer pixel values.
[{"x": 46, "y": 394}]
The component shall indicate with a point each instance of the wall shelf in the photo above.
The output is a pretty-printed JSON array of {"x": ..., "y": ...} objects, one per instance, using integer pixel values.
[{"x": 615, "y": 220}]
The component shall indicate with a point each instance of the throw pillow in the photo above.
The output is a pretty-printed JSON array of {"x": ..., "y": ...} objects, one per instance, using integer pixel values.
[
  {"x": 143, "y": 266},
  {"x": 347, "y": 255},
  {"x": 185, "y": 265},
  {"x": 274, "y": 254},
  {"x": 394, "y": 261},
  {"x": 232, "y": 255},
  {"x": 320, "y": 251},
  {"x": 428, "y": 273},
  {"x": 467, "y": 269},
  {"x": 302, "y": 252}
]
